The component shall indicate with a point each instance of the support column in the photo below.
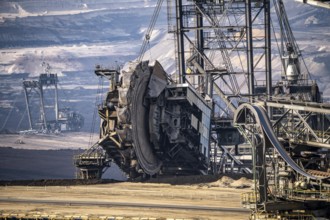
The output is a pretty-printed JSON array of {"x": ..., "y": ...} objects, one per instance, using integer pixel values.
[
  {"x": 261, "y": 171},
  {"x": 42, "y": 107},
  {"x": 249, "y": 41},
  {"x": 28, "y": 107},
  {"x": 56, "y": 102},
  {"x": 180, "y": 41},
  {"x": 268, "y": 54},
  {"x": 200, "y": 47}
]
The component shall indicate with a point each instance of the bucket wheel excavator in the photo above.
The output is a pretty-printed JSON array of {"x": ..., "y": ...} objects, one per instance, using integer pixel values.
[
  {"x": 149, "y": 126},
  {"x": 225, "y": 96}
]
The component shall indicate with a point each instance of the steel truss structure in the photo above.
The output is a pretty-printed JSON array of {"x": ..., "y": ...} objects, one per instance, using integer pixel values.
[
  {"x": 291, "y": 158},
  {"x": 30, "y": 87},
  {"x": 222, "y": 32},
  {"x": 210, "y": 36}
]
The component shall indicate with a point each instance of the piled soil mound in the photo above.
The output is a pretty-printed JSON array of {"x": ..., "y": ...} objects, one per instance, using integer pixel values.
[
  {"x": 242, "y": 183},
  {"x": 223, "y": 181},
  {"x": 226, "y": 181},
  {"x": 197, "y": 179}
]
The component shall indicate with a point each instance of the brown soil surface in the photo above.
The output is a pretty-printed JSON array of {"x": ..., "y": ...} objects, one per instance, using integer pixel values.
[{"x": 145, "y": 193}]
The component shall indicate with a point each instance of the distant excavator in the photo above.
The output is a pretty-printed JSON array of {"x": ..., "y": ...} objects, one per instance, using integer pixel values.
[{"x": 65, "y": 119}]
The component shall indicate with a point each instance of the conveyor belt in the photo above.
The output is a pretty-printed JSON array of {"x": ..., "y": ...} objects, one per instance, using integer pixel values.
[
  {"x": 263, "y": 120},
  {"x": 269, "y": 133}
]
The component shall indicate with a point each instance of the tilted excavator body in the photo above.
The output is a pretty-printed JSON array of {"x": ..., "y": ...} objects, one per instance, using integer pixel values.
[{"x": 150, "y": 126}]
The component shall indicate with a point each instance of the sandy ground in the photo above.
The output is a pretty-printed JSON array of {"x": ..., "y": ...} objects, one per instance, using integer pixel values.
[{"x": 209, "y": 195}]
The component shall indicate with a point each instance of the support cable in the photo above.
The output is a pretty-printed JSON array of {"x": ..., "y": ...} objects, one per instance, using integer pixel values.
[
  {"x": 97, "y": 100},
  {"x": 150, "y": 29},
  {"x": 63, "y": 92},
  {"x": 10, "y": 112},
  {"x": 20, "y": 122}
]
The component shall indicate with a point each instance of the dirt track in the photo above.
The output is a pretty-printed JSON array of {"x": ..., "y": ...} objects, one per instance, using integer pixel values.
[{"x": 197, "y": 195}]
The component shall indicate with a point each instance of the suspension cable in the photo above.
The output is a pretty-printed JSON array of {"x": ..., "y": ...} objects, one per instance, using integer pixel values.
[
  {"x": 10, "y": 111},
  {"x": 97, "y": 100},
  {"x": 147, "y": 36},
  {"x": 20, "y": 122}
]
